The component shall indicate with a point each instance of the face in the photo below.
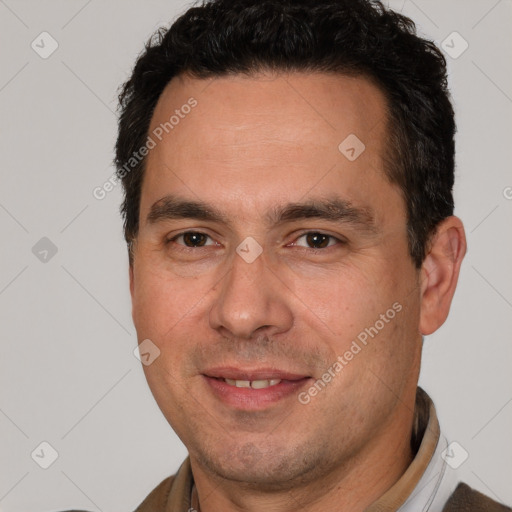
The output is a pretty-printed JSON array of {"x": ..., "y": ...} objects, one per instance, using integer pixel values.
[{"x": 271, "y": 270}]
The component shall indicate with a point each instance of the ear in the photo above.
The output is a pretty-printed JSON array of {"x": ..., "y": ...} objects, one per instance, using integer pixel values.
[{"x": 440, "y": 273}]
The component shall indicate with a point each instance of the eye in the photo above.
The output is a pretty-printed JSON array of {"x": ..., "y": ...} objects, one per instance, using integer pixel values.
[
  {"x": 192, "y": 239},
  {"x": 317, "y": 240}
]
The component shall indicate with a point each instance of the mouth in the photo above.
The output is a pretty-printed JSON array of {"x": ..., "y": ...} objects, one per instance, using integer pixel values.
[
  {"x": 254, "y": 384},
  {"x": 253, "y": 390}
]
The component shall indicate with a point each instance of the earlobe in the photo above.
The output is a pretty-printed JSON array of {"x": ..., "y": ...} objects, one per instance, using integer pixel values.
[{"x": 440, "y": 273}]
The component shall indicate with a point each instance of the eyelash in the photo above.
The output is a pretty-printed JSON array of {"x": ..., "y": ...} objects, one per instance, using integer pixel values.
[{"x": 306, "y": 233}]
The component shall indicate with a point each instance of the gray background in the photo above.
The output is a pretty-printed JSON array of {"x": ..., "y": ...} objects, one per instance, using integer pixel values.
[{"x": 68, "y": 374}]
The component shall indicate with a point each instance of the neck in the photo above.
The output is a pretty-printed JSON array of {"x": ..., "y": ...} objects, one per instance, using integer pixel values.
[{"x": 353, "y": 485}]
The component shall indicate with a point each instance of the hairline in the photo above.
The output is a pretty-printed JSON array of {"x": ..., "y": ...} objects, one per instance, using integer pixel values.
[{"x": 393, "y": 165}]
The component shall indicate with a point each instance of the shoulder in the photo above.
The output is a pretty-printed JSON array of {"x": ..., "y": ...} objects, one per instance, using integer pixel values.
[
  {"x": 465, "y": 499},
  {"x": 157, "y": 498}
]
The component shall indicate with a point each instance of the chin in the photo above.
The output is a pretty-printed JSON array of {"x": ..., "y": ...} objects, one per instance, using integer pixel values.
[{"x": 267, "y": 467}]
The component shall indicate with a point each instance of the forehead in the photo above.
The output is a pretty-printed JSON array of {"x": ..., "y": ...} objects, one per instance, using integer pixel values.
[
  {"x": 267, "y": 137},
  {"x": 296, "y": 104}
]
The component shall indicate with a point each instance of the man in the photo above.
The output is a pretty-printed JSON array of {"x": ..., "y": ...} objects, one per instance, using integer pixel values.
[{"x": 288, "y": 174}]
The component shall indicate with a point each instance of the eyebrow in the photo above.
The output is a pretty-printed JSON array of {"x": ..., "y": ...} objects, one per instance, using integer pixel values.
[
  {"x": 334, "y": 209},
  {"x": 171, "y": 207}
]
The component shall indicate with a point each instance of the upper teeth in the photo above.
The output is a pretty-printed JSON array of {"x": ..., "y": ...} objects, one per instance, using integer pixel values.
[{"x": 255, "y": 384}]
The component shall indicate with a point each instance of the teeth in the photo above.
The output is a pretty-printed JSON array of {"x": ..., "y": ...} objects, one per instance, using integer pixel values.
[
  {"x": 260, "y": 384},
  {"x": 255, "y": 384}
]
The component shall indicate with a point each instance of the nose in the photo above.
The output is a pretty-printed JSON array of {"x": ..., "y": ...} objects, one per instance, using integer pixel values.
[{"x": 251, "y": 301}]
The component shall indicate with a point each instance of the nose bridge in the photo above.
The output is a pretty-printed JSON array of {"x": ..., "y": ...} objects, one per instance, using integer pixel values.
[
  {"x": 248, "y": 300},
  {"x": 246, "y": 270}
]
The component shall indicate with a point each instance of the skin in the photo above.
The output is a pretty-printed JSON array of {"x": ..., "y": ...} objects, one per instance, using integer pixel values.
[{"x": 250, "y": 145}]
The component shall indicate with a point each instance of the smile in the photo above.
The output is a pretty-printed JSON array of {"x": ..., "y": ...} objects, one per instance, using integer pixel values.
[
  {"x": 254, "y": 390},
  {"x": 254, "y": 384}
]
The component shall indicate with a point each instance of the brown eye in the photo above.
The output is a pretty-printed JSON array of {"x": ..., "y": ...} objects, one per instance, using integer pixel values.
[
  {"x": 191, "y": 239},
  {"x": 318, "y": 240}
]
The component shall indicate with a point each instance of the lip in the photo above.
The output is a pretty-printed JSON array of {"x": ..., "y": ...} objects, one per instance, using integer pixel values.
[
  {"x": 249, "y": 399},
  {"x": 229, "y": 372}
]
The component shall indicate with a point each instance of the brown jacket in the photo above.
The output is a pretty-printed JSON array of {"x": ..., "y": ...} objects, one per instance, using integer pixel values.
[{"x": 464, "y": 499}]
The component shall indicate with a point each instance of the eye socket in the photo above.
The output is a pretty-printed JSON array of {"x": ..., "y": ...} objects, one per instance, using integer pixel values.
[
  {"x": 312, "y": 240},
  {"x": 192, "y": 239},
  {"x": 317, "y": 240}
]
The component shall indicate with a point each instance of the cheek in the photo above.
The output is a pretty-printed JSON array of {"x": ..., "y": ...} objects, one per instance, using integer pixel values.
[
  {"x": 162, "y": 302},
  {"x": 374, "y": 309},
  {"x": 341, "y": 302}
]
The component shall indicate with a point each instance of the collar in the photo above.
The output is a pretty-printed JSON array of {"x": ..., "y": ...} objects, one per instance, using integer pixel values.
[{"x": 425, "y": 485}]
